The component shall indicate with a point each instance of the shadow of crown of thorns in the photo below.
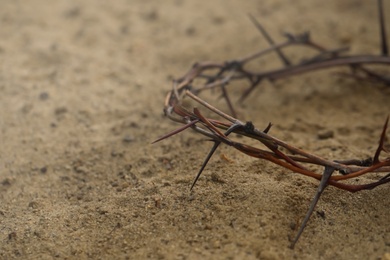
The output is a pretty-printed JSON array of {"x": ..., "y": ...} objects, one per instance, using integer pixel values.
[{"x": 217, "y": 75}]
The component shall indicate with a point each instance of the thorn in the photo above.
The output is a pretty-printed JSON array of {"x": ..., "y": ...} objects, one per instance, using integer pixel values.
[
  {"x": 285, "y": 61},
  {"x": 385, "y": 177},
  {"x": 250, "y": 89},
  {"x": 229, "y": 103},
  {"x": 381, "y": 142},
  {"x": 210, "y": 154},
  {"x": 176, "y": 131},
  {"x": 321, "y": 187},
  {"x": 266, "y": 130},
  {"x": 384, "y": 47}
]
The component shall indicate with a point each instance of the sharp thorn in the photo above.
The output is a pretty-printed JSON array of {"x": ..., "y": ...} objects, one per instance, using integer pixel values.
[
  {"x": 266, "y": 130},
  {"x": 210, "y": 154},
  {"x": 321, "y": 187},
  {"x": 381, "y": 142},
  {"x": 384, "y": 47},
  {"x": 176, "y": 131},
  {"x": 285, "y": 61}
]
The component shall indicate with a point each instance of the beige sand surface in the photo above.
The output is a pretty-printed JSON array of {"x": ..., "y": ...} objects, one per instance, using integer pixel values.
[{"x": 82, "y": 87}]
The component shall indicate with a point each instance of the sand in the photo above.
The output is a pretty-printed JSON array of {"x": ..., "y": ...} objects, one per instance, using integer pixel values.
[{"x": 82, "y": 87}]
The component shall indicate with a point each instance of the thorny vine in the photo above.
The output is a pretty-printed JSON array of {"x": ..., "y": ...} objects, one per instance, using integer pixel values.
[{"x": 217, "y": 75}]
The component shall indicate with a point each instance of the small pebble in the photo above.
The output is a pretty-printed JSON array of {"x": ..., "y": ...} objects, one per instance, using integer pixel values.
[
  {"x": 44, "y": 96},
  {"x": 326, "y": 134},
  {"x": 128, "y": 139}
]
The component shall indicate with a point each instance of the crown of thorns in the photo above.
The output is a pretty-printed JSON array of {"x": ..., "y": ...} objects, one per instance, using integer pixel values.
[{"x": 218, "y": 127}]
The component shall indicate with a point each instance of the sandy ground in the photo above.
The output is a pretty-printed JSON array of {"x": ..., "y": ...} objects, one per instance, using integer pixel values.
[{"x": 82, "y": 87}]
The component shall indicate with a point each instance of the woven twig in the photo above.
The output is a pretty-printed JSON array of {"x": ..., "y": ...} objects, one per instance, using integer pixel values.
[{"x": 205, "y": 76}]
